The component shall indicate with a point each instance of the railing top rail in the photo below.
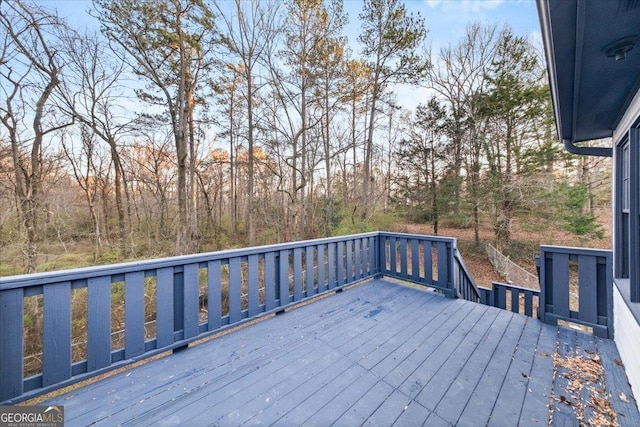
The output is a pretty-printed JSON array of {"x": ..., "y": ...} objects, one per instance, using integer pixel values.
[
  {"x": 36, "y": 279},
  {"x": 418, "y": 236},
  {"x": 575, "y": 251},
  {"x": 520, "y": 288},
  {"x": 463, "y": 266}
]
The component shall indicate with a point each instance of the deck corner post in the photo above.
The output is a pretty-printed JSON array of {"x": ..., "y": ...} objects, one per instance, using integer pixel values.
[
  {"x": 11, "y": 336},
  {"x": 608, "y": 268},
  {"x": 543, "y": 263},
  {"x": 382, "y": 262},
  {"x": 450, "y": 275}
]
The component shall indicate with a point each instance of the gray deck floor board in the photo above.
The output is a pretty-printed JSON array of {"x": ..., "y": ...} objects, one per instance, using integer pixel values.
[
  {"x": 586, "y": 347},
  {"x": 377, "y": 354},
  {"x": 443, "y": 376},
  {"x": 617, "y": 384},
  {"x": 478, "y": 407},
  {"x": 463, "y": 385},
  {"x": 399, "y": 375},
  {"x": 534, "y": 409},
  {"x": 414, "y": 415},
  {"x": 563, "y": 414},
  {"x": 514, "y": 386},
  {"x": 434, "y": 321},
  {"x": 440, "y": 354}
]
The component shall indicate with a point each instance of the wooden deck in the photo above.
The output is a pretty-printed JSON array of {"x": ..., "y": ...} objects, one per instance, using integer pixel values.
[{"x": 376, "y": 354}]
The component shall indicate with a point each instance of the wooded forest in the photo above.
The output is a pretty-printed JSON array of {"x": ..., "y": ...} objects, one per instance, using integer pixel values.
[{"x": 183, "y": 126}]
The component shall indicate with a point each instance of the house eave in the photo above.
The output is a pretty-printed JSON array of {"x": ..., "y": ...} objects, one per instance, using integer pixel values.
[{"x": 590, "y": 89}]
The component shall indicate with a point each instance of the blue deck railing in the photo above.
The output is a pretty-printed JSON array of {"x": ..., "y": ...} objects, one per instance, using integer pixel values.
[
  {"x": 511, "y": 297},
  {"x": 427, "y": 260},
  {"x": 576, "y": 287},
  {"x": 57, "y": 328}
]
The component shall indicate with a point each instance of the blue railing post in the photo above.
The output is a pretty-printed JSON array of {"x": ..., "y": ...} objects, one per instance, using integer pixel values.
[
  {"x": 373, "y": 262},
  {"x": 11, "y": 355},
  {"x": 99, "y": 323},
  {"x": 382, "y": 252},
  {"x": 451, "y": 285}
]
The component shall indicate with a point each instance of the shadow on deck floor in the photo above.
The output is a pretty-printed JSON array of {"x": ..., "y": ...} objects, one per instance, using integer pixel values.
[{"x": 376, "y": 354}]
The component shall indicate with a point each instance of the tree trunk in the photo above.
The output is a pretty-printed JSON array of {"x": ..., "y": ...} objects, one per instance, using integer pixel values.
[
  {"x": 434, "y": 192},
  {"x": 328, "y": 205},
  {"x": 180, "y": 130},
  {"x": 507, "y": 192},
  {"x": 232, "y": 174},
  {"x": 368, "y": 152},
  {"x": 250, "y": 195},
  {"x": 193, "y": 188}
]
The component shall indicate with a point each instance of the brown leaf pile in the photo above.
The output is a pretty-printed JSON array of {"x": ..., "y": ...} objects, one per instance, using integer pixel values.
[{"x": 586, "y": 373}]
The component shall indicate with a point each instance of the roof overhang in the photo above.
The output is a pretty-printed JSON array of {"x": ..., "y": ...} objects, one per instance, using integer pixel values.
[{"x": 592, "y": 49}]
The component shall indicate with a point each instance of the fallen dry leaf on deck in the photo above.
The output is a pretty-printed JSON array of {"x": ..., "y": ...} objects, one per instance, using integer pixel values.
[
  {"x": 565, "y": 400},
  {"x": 585, "y": 384}
]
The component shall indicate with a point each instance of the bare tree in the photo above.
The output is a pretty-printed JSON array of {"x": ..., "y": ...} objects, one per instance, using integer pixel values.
[
  {"x": 88, "y": 166},
  {"x": 459, "y": 77},
  {"x": 249, "y": 36},
  {"x": 30, "y": 72},
  {"x": 92, "y": 94},
  {"x": 390, "y": 41},
  {"x": 168, "y": 43},
  {"x": 229, "y": 88}
]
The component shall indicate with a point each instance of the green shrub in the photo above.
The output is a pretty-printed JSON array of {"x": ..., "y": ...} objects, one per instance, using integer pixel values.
[
  {"x": 576, "y": 219},
  {"x": 456, "y": 220}
]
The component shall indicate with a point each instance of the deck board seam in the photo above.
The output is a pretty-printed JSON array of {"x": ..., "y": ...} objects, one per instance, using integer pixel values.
[
  {"x": 228, "y": 395},
  {"x": 470, "y": 354},
  {"x": 404, "y": 320},
  {"x": 513, "y": 318},
  {"x": 426, "y": 357},
  {"x": 427, "y": 339},
  {"x": 529, "y": 372},
  {"x": 508, "y": 367},
  {"x": 435, "y": 315}
]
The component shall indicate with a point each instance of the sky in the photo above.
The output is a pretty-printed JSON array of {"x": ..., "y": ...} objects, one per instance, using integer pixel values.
[{"x": 446, "y": 21}]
